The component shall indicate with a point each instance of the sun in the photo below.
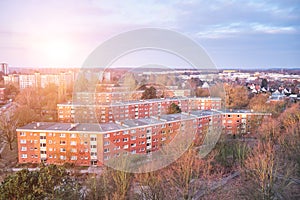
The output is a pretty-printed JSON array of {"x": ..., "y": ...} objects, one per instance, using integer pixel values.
[{"x": 58, "y": 51}]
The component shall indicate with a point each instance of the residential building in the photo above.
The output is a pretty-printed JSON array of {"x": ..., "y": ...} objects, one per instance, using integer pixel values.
[
  {"x": 242, "y": 121},
  {"x": 94, "y": 144},
  {"x": 110, "y": 112},
  {"x": 4, "y": 68}
]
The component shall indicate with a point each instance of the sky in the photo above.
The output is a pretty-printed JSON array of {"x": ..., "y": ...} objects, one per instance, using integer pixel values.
[{"x": 235, "y": 33}]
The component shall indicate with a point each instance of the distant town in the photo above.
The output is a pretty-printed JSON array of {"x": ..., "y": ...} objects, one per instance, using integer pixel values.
[{"x": 93, "y": 117}]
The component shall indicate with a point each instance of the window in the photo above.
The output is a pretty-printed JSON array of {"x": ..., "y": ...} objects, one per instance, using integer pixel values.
[
  {"x": 43, "y": 145},
  {"x": 50, "y": 141},
  {"x": 43, "y": 152},
  {"x": 73, "y": 135},
  {"x": 23, "y": 134},
  {"x": 125, "y": 139},
  {"x": 93, "y": 139},
  {"x": 23, "y": 148},
  {"x": 133, "y": 152},
  {"x": 125, "y": 146},
  {"x": 106, "y": 150},
  {"x": 50, "y": 134},
  {"x": 133, "y": 137},
  {"x": 229, "y": 121},
  {"x": 62, "y": 150},
  {"x": 133, "y": 145},
  {"x": 62, "y": 135},
  {"x": 73, "y": 150},
  {"x": 23, "y": 141},
  {"x": 133, "y": 131},
  {"x": 229, "y": 116},
  {"x": 62, "y": 157},
  {"x": 43, "y": 137},
  {"x": 106, "y": 157},
  {"x": 106, "y": 135},
  {"x": 93, "y": 146},
  {"x": 93, "y": 153},
  {"x": 24, "y": 156},
  {"x": 62, "y": 142},
  {"x": 106, "y": 143},
  {"x": 73, "y": 143}
]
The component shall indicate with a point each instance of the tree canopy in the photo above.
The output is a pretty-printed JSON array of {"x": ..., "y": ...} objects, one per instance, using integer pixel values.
[
  {"x": 174, "y": 108},
  {"x": 149, "y": 93},
  {"x": 50, "y": 182}
]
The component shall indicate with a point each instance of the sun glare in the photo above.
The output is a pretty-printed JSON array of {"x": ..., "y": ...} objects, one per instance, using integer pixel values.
[{"x": 58, "y": 51}]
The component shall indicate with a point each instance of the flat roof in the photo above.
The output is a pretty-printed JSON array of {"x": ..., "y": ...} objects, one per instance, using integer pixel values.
[
  {"x": 200, "y": 113},
  {"x": 176, "y": 117},
  {"x": 76, "y": 127},
  {"x": 129, "y": 102},
  {"x": 241, "y": 111},
  {"x": 141, "y": 122}
]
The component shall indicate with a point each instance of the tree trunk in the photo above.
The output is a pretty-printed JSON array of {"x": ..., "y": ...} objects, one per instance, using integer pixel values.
[{"x": 10, "y": 146}]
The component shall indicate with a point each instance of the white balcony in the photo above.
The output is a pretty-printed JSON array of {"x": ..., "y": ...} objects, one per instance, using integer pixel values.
[
  {"x": 93, "y": 157},
  {"x": 43, "y": 141},
  {"x": 43, "y": 148},
  {"x": 43, "y": 156}
]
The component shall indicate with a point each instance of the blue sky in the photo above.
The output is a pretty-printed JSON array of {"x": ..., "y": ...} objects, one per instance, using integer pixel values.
[{"x": 238, "y": 34}]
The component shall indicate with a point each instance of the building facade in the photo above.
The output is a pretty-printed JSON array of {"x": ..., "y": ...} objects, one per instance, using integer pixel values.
[
  {"x": 110, "y": 112},
  {"x": 4, "y": 68},
  {"x": 242, "y": 121},
  {"x": 95, "y": 144}
]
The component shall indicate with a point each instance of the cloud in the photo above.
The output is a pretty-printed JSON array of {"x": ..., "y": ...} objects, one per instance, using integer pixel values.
[{"x": 235, "y": 29}]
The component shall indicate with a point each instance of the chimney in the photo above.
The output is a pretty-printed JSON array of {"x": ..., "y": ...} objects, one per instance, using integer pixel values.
[{"x": 38, "y": 124}]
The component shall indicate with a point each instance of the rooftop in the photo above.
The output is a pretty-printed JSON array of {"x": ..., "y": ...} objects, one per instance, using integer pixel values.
[{"x": 175, "y": 117}]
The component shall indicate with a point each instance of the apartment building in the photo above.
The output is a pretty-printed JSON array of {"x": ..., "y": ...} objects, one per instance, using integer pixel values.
[
  {"x": 242, "y": 121},
  {"x": 38, "y": 80},
  {"x": 12, "y": 79},
  {"x": 106, "y": 97},
  {"x": 110, "y": 112},
  {"x": 94, "y": 144}
]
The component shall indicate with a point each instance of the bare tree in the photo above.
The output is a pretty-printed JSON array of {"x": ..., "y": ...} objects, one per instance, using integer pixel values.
[{"x": 8, "y": 125}]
